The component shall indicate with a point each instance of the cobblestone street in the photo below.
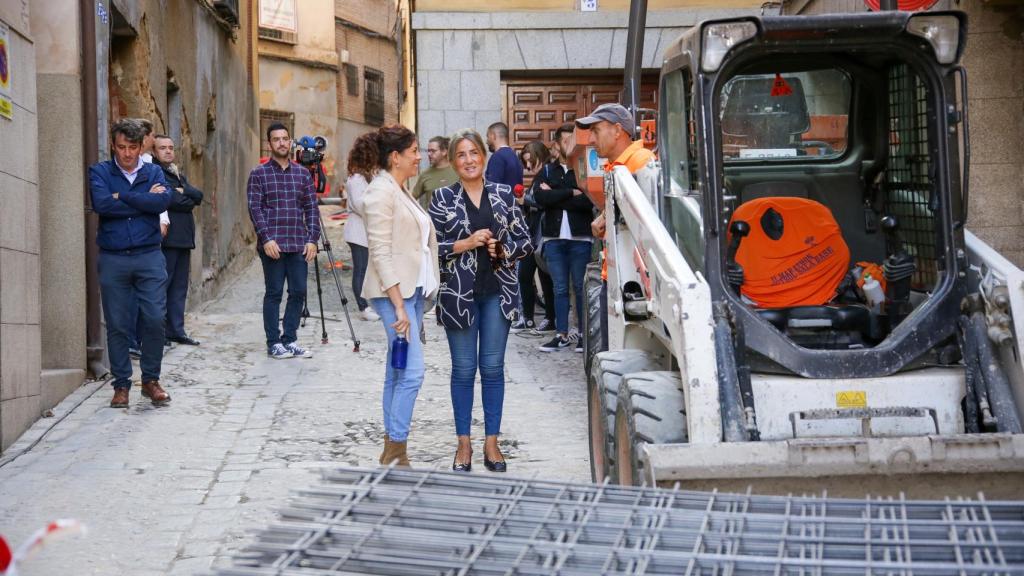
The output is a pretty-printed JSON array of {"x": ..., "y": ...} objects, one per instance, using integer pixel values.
[{"x": 175, "y": 489}]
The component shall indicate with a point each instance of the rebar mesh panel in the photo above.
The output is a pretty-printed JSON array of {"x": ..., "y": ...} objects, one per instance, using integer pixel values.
[
  {"x": 403, "y": 522},
  {"x": 910, "y": 179}
]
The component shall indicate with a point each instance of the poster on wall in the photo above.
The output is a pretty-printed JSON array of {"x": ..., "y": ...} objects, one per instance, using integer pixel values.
[
  {"x": 278, "y": 14},
  {"x": 6, "y": 105}
]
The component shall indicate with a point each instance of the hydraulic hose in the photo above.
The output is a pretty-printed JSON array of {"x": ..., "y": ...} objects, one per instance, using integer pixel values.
[
  {"x": 1000, "y": 393},
  {"x": 733, "y": 420}
]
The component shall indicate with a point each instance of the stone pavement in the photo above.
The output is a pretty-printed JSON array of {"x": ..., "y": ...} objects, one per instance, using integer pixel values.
[{"x": 177, "y": 489}]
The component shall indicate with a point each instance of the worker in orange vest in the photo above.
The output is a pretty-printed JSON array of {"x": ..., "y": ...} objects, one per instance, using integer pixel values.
[{"x": 611, "y": 134}]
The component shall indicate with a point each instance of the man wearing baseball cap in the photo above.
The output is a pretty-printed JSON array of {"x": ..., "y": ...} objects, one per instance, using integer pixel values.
[{"x": 611, "y": 134}]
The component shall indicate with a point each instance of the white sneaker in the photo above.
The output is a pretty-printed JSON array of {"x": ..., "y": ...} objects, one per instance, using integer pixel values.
[
  {"x": 298, "y": 351},
  {"x": 279, "y": 352},
  {"x": 369, "y": 315}
]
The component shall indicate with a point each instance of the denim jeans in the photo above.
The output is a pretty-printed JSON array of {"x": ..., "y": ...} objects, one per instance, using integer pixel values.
[
  {"x": 567, "y": 258},
  {"x": 481, "y": 346},
  {"x": 402, "y": 386},
  {"x": 290, "y": 266},
  {"x": 134, "y": 284},
  {"x": 360, "y": 260},
  {"x": 527, "y": 270}
]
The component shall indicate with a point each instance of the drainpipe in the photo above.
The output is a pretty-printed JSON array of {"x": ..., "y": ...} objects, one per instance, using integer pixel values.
[{"x": 95, "y": 345}]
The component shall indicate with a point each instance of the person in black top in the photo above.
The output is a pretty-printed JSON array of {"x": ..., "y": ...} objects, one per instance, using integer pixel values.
[
  {"x": 481, "y": 234},
  {"x": 534, "y": 156},
  {"x": 567, "y": 237},
  {"x": 180, "y": 240}
]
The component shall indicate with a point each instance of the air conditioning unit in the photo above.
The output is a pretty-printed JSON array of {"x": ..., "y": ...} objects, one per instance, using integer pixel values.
[{"x": 228, "y": 10}]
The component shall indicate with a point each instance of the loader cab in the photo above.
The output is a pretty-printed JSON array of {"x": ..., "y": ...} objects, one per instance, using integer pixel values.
[{"x": 845, "y": 128}]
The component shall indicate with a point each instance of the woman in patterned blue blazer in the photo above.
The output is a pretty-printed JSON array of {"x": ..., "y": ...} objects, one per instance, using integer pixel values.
[{"x": 481, "y": 233}]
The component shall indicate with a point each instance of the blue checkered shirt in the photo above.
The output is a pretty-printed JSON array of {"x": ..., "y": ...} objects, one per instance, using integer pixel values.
[{"x": 282, "y": 205}]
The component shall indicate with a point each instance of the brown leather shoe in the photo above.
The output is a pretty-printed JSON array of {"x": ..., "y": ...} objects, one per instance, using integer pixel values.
[
  {"x": 120, "y": 399},
  {"x": 152, "y": 390}
]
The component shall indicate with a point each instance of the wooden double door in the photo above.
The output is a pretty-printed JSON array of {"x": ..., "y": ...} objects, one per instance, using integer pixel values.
[{"x": 534, "y": 108}]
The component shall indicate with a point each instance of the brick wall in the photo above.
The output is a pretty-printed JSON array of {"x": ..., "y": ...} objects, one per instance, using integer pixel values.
[
  {"x": 365, "y": 51},
  {"x": 376, "y": 15}
]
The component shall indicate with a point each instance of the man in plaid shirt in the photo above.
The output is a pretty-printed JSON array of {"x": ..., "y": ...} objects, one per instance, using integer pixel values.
[{"x": 282, "y": 205}]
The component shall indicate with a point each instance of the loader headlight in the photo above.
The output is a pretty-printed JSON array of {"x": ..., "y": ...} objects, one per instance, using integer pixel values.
[
  {"x": 941, "y": 31},
  {"x": 720, "y": 38}
]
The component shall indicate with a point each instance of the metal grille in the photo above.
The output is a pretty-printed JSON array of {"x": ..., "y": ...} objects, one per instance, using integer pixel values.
[
  {"x": 403, "y": 522},
  {"x": 910, "y": 182},
  {"x": 374, "y": 105}
]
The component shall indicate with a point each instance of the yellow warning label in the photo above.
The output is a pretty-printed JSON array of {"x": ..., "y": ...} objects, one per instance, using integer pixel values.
[{"x": 852, "y": 399}]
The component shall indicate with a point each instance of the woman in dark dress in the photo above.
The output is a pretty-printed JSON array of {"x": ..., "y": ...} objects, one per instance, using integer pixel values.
[{"x": 481, "y": 233}]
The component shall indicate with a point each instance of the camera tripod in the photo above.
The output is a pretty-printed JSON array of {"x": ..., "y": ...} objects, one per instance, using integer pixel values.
[{"x": 326, "y": 244}]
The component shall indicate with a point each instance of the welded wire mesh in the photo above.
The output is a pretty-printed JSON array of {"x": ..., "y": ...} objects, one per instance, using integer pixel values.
[
  {"x": 910, "y": 178},
  {"x": 403, "y": 522}
]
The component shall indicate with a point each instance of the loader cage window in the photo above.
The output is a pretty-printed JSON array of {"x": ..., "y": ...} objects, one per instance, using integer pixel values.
[
  {"x": 780, "y": 116},
  {"x": 909, "y": 182},
  {"x": 682, "y": 205}
]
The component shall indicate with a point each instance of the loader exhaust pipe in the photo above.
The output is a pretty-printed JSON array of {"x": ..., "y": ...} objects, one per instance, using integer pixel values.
[{"x": 634, "y": 58}]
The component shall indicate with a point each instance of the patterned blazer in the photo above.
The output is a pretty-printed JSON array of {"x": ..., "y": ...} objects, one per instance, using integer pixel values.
[{"x": 458, "y": 271}]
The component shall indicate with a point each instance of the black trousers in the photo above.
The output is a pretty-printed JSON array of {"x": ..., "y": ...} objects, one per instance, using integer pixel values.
[
  {"x": 177, "y": 290},
  {"x": 528, "y": 290}
]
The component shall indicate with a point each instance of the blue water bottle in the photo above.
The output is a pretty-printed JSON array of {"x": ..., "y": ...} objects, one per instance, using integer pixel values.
[{"x": 399, "y": 352}]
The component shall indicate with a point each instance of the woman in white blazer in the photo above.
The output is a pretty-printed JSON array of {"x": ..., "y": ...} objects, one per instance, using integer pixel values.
[{"x": 401, "y": 274}]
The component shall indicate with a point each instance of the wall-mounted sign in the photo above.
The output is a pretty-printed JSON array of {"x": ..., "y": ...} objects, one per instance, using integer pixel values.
[
  {"x": 6, "y": 104},
  {"x": 278, "y": 14},
  {"x": 588, "y": 5}
]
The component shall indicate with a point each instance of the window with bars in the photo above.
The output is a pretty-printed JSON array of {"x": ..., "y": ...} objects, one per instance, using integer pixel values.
[
  {"x": 268, "y": 117},
  {"x": 910, "y": 183},
  {"x": 352, "y": 79},
  {"x": 373, "y": 110}
]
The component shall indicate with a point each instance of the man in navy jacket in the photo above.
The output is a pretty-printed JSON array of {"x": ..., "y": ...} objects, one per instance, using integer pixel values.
[{"x": 129, "y": 195}]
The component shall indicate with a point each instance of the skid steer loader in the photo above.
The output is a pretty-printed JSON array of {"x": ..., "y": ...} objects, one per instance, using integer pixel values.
[{"x": 730, "y": 362}]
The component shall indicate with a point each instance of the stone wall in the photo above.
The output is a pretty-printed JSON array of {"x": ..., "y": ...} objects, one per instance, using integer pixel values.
[
  {"x": 20, "y": 394},
  {"x": 215, "y": 110},
  {"x": 461, "y": 57},
  {"x": 367, "y": 31},
  {"x": 55, "y": 28}
]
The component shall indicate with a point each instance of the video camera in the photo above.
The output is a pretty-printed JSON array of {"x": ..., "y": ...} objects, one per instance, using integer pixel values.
[{"x": 310, "y": 150}]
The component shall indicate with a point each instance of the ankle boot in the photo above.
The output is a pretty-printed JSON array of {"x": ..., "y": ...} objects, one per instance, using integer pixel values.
[
  {"x": 387, "y": 442},
  {"x": 398, "y": 452}
]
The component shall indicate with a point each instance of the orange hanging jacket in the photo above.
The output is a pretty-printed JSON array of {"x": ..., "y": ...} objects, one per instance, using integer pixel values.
[{"x": 795, "y": 254}]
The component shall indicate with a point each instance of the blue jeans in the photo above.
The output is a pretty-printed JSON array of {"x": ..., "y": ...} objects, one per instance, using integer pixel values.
[
  {"x": 134, "y": 284},
  {"x": 489, "y": 331},
  {"x": 402, "y": 386},
  {"x": 567, "y": 258},
  {"x": 290, "y": 266},
  {"x": 360, "y": 260}
]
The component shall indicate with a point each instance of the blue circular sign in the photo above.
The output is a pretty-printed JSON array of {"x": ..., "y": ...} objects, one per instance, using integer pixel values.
[{"x": 595, "y": 162}]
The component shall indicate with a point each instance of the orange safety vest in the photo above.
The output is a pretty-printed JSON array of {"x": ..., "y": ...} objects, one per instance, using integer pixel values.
[
  {"x": 795, "y": 254},
  {"x": 634, "y": 157}
]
